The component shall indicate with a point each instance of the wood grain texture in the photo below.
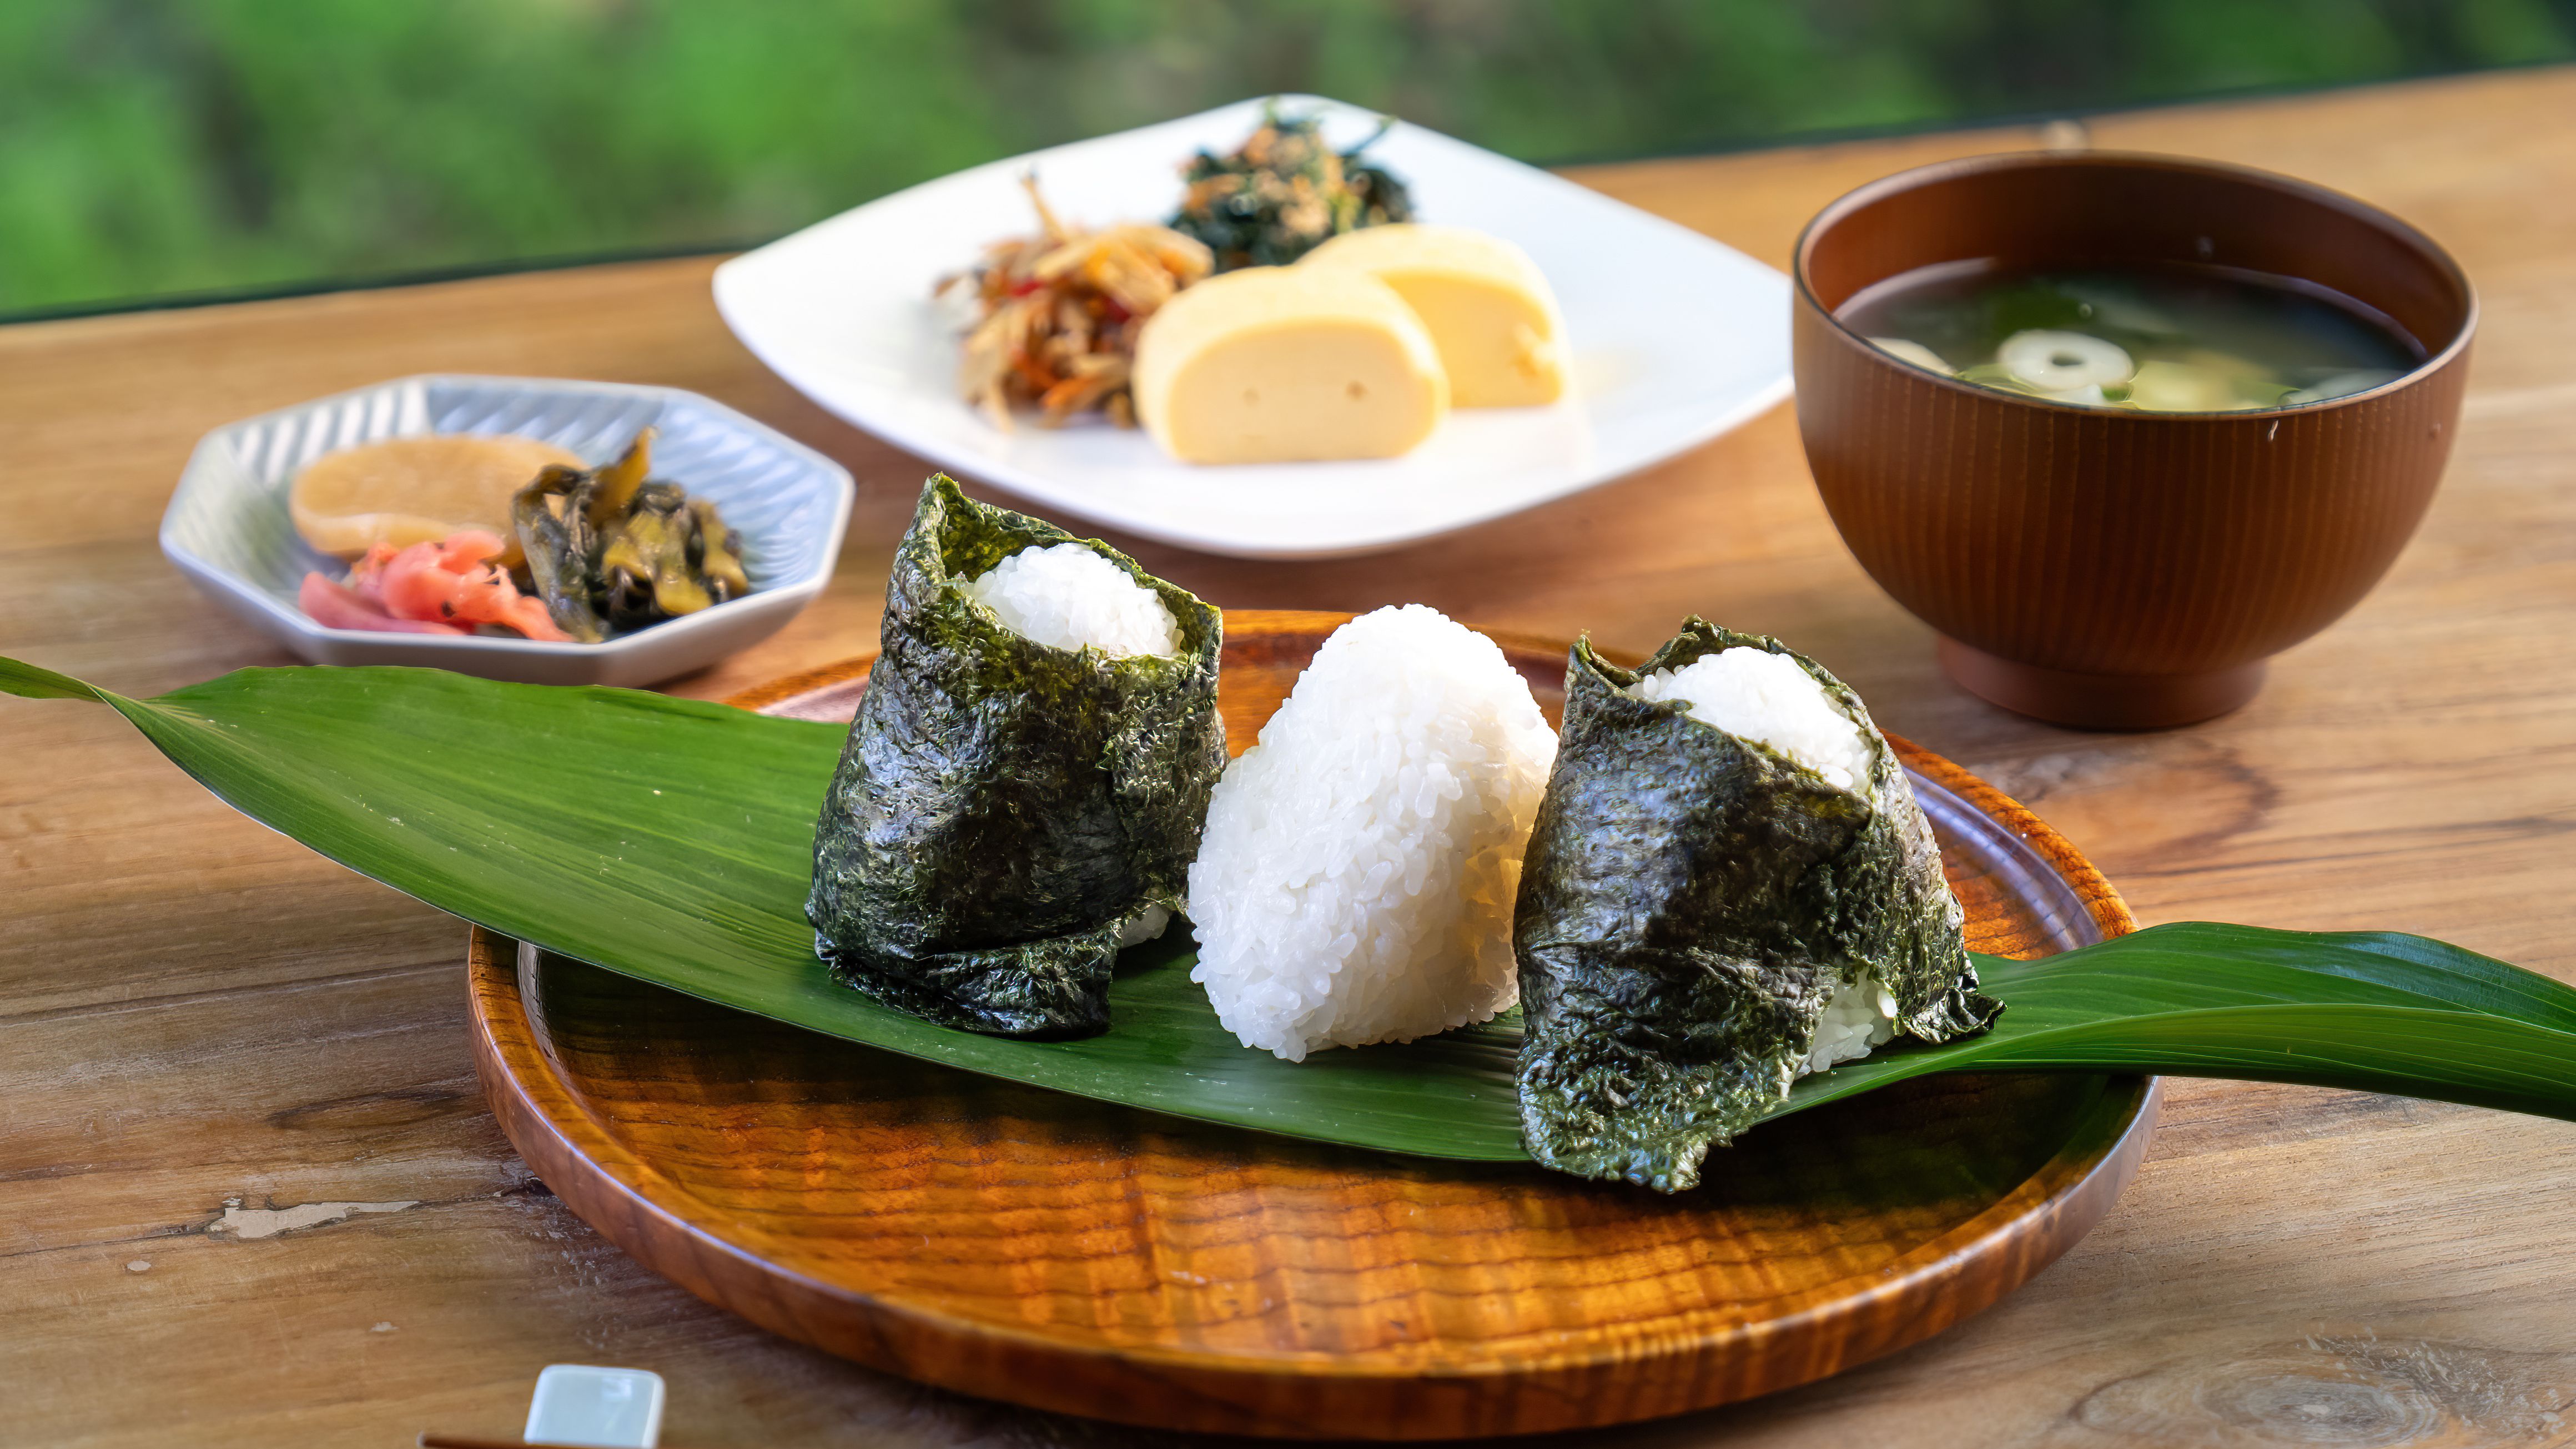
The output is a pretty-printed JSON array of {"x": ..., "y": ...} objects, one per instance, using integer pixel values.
[
  {"x": 1018, "y": 1244},
  {"x": 193, "y": 1009},
  {"x": 2093, "y": 566}
]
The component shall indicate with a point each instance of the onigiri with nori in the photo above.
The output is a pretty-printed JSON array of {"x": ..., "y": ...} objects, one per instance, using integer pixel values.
[
  {"x": 1022, "y": 791},
  {"x": 1730, "y": 885}
]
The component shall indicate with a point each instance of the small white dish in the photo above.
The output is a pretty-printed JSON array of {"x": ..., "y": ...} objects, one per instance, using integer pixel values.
[
  {"x": 228, "y": 530},
  {"x": 1674, "y": 337},
  {"x": 601, "y": 1408}
]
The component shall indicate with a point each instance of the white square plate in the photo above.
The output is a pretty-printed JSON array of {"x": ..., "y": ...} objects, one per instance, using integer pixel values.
[{"x": 1674, "y": 339}]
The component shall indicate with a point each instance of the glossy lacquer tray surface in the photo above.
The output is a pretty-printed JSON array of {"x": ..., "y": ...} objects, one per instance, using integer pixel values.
[{"x": 1023, "y": 1245}]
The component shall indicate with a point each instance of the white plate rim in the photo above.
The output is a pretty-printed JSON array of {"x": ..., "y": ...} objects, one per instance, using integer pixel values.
[{"x": 736, "y": 278}]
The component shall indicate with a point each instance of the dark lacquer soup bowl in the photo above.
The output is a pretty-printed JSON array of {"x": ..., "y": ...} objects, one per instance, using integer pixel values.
[{"x": 2107, "y": 568}]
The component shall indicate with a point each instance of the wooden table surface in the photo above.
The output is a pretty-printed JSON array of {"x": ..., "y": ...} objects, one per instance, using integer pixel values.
[{"x": 249, "y": 1193}]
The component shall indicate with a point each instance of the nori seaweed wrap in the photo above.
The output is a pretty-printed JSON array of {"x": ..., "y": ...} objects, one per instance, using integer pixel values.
[
  {"x": 1004, "y": 809},
  {"x": 1689, "y": 903}
]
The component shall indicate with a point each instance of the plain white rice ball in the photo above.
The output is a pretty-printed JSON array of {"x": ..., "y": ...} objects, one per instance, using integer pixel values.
[
  {"x": 1356, "y": 881},
  {"x": 1754, "y": 694},
  {"x": 1068, "y": 596}
]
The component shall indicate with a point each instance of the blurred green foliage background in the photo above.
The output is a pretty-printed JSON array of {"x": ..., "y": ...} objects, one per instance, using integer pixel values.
[{"x": 158, "y": 146}]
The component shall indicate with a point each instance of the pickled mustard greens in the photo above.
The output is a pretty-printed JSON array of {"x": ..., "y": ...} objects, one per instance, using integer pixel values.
[
  {"x": 2149, "y": 338},
  {"x": 612, "y": 550}
]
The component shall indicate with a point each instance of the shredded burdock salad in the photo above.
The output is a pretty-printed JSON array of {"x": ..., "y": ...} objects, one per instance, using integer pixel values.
[{"x": 1057, "y": 315}]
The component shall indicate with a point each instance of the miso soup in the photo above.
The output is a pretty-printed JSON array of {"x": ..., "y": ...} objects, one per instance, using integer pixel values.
[{"x": 2178, "y": 338}]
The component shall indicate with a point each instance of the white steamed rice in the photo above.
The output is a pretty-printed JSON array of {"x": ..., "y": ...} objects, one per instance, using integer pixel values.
[
  {"x": 1068, "y": 596},
  {"x": 1357, "y": 877},
  {"x": 1858, "y": 1019},
  {"x": 1754, "y": 694},
  {"x": 1148, "y": 926}
]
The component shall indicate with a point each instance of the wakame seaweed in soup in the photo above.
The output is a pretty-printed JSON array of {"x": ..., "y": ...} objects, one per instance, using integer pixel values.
[
  {"x": 1006, "y": 810},
  {"x": 1695, "y": 903},
  {"x": 2145, "y": 337}
]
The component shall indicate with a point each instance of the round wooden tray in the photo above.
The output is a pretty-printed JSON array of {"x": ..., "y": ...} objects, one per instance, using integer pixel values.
[{"x": 1024, "y": 1245}]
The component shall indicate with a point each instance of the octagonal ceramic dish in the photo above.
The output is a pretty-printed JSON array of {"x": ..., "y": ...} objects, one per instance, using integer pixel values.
[
  {"x": 1674, "y": 339},
  {"x": 227, "y": 526}
]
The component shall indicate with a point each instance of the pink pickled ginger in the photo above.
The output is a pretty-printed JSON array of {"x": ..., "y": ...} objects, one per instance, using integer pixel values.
[{"x": 447, "y": 587}]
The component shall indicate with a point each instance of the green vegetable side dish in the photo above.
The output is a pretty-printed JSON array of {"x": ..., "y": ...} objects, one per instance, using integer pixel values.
[
  {"x": 1285, "y": 192},
  {"x": 671, "y": 840},
  {"x": 1690, "y": 901},
  {"x": 1005, "y": 809},
  {"x": 611, "y": 550}
]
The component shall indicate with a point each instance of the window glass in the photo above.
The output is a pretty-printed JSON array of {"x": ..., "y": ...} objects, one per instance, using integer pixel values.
[{"x": 150, "y": 147}]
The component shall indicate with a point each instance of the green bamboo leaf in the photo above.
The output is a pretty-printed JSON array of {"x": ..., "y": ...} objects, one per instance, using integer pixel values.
[
  {"x": 2367, "y": 1010},
  {"x": 670, "y": 840},
  {"x": 35, "y": 683}
]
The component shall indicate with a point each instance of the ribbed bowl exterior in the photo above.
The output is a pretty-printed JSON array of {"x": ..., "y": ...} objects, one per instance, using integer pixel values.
[
  {"x": 2077, "y": 546},
  {"x": 2103, "y": 542}
]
